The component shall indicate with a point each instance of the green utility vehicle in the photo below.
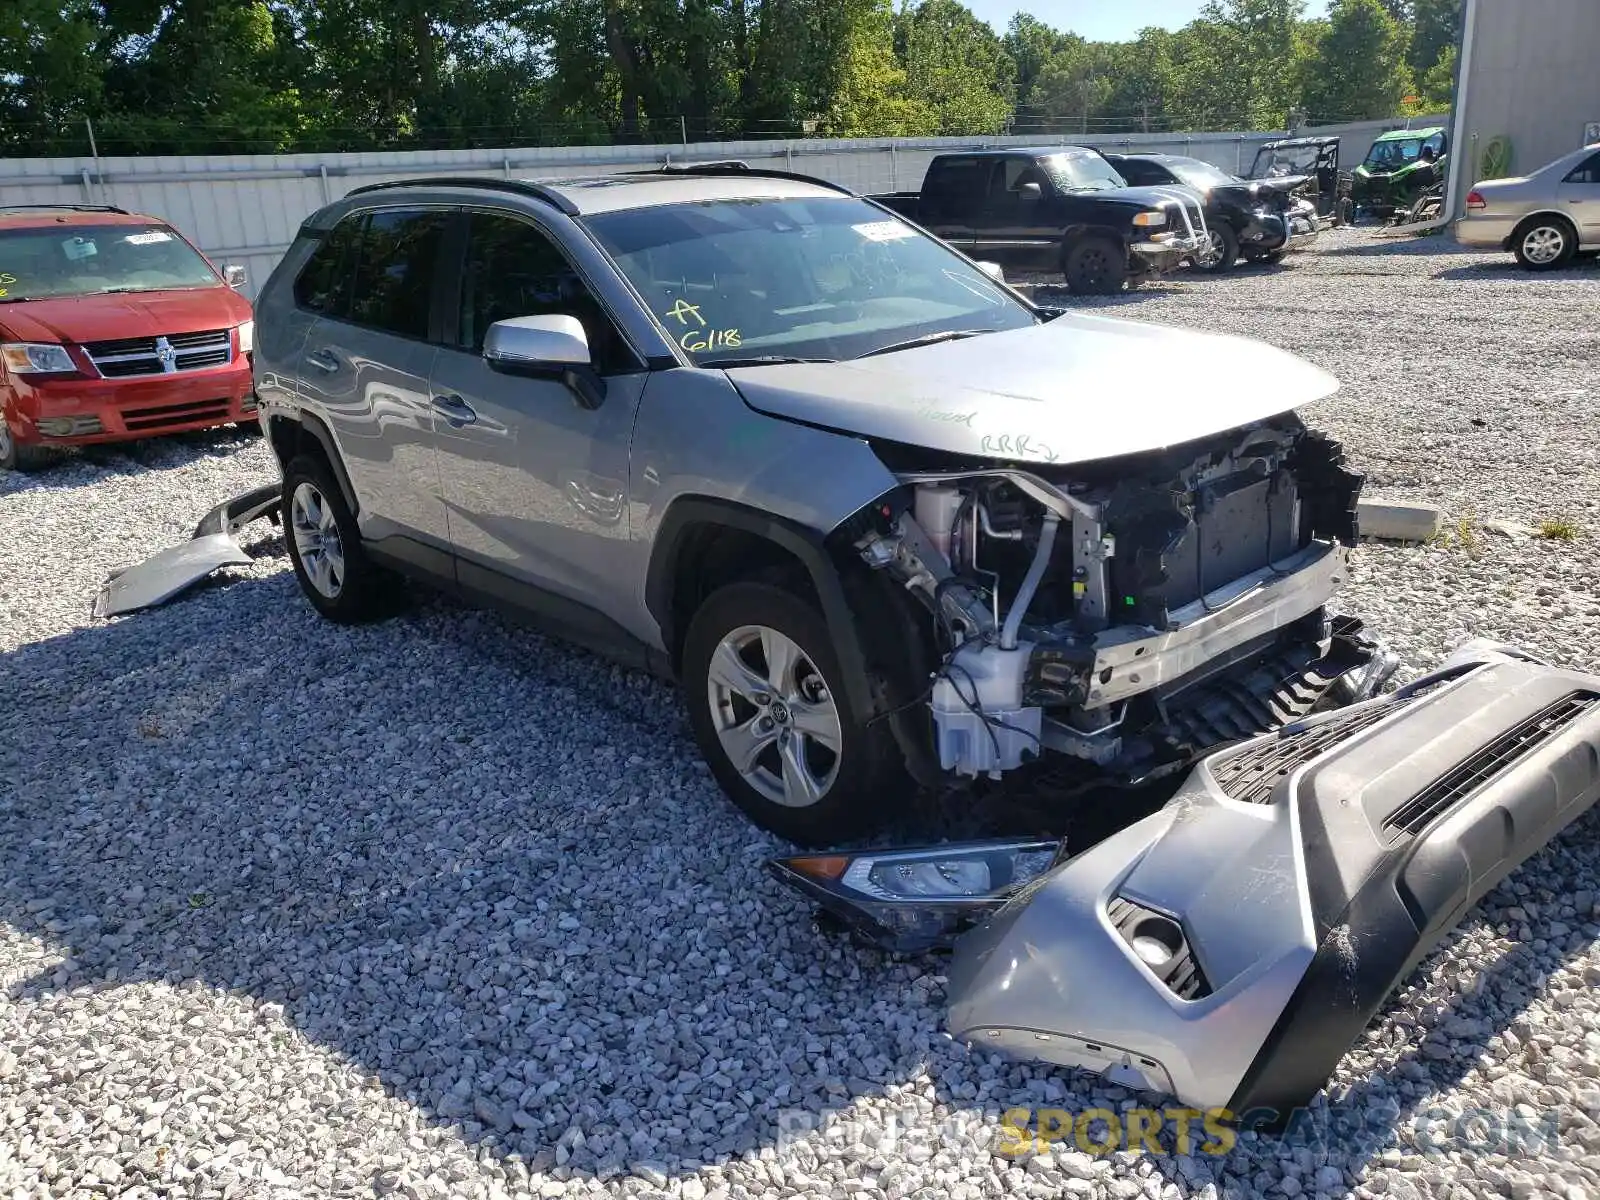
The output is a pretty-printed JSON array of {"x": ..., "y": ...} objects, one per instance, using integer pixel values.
[{"x": 1401, "y": 165}]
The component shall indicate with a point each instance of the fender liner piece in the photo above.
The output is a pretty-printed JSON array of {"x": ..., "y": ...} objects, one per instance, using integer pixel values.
[
  {"x": 324, "y": 438},
  {"x": 809, "y": 546},
  {"x": 1230, "y": 947}
]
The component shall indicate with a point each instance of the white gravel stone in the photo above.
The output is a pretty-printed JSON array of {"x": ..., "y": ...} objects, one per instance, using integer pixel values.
[{"x": 438, "y": 908}]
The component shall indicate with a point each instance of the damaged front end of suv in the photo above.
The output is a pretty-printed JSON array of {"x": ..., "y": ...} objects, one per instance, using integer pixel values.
[{"x": 1131, "y": 611}]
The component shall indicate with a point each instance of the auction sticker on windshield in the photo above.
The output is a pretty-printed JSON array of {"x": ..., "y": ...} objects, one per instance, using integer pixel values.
[
  {"x": 884, "y": 231},
  {"x": 148, "y": 238}
]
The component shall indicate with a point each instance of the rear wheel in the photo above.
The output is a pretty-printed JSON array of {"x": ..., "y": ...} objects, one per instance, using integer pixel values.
[
  {"x": 1544, "y": 244},
  {"x": 15, "y": 456},
  {"x": 1224, "y": 249},
  {"x": 773, "y": 719},
  {"x": 325, "y": 548},
  {"x": 1095, "y": 266}
]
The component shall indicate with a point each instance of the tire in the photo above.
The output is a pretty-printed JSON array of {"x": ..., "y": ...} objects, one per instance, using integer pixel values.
[
  {"x": 1264, "y": 256},
  {"x": 1095, "y": 266},
  {"x": 1226, "y": 243},
  {"x": 816, "y": 773},
  {"x": 16, "y": 456},
  {"x": 325, "y": 548},
  {"x": 1544, "y": 243}
]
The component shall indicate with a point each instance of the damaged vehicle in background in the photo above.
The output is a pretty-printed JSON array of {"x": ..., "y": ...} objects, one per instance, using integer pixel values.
[
  {"x": 1315, "y": 160},
  {"x": 1260, "y": 220}
]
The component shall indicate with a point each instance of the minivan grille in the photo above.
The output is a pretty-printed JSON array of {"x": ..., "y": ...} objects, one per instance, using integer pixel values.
[
  {"x": 1498, "y": 757},
  {"x": 164, "y": 355}
]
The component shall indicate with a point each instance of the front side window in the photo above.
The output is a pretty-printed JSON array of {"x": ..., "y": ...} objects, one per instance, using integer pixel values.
[
  {"x": 1202, "y": 175},
  {"x": 819, "y": 277},
  {"x": 1081, "y": 171},
  {"x": 396, "y": 258},
  {"x": 86, "y": 260},
  {"x": 514, "y": 270}
]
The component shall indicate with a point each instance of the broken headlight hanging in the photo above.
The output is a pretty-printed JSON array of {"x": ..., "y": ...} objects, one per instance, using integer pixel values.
[{"x": 913, "y": 900}]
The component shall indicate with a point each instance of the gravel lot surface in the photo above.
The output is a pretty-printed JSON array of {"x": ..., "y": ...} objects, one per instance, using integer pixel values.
[{"x": 438, "y": 908}]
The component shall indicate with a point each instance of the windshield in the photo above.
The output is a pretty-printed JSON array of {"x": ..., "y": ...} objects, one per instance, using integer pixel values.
[
  {"x": 1081, "y": 171},
  {"x": 81, "y": 260},
  {"x": 1394, "y": 154},
  {"x": 1292, "y": 160},
  {"x": 1201, "y": 175},
  {"x": 820, "y": 277}
]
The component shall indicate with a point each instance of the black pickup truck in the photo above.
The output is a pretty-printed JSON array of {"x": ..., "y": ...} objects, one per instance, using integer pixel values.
[{"x": 1058, "y": 208}]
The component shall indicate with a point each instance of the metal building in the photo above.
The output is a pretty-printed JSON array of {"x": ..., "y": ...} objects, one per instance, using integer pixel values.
[{"x": 1527, "y": 88}]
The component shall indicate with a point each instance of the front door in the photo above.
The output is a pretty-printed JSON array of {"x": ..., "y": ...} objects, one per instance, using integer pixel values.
[
  {"x": 366, "y": 363},
  {"x": 534, "y": 483},
  {"x": 1011, "y": 227},
  {"x": 1579, "y": 195}
]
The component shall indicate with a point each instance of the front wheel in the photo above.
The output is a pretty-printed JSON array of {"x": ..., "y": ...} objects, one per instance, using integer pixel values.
[
  {"x": 16, "y": 456},
  {"x": 1224, "y": 249},
  {"x": 1095, "y": 266},
  {"x": 774, "y": 722},
  {"x": 1545, "y": 244}
]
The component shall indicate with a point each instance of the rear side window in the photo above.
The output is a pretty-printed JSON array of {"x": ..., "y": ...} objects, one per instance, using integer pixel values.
[
  {"x": 396, "y": 261},
  {"x": 1587, "y": 171},
  {"x": 323, "y": 283},
  {"x": 959, "y": 178}
]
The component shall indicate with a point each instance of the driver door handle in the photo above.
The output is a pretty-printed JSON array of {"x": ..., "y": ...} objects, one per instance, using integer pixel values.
[
  {"x": 454, "y": 409},
  {"x": 323, "y": 360}
]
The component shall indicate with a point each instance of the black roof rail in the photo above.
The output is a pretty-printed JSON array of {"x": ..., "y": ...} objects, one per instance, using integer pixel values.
[
  {"x": 737, "y": 166},
  {"x": 110, "y": 208},
  {"x": 519, "y": 186}
]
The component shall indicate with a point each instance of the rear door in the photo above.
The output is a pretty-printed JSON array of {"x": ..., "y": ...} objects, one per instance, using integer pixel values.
[
  {"x": 953, "y": 192},
  {"x": 1579, "y": 195},
  {"x": 365, "y": 368},
  {"x": 534, "y": 482}
]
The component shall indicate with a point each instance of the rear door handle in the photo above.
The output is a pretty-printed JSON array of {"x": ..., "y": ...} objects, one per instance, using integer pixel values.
[
  {"x": 323, "y": 361},
  {"x": 454, "y": 410}
]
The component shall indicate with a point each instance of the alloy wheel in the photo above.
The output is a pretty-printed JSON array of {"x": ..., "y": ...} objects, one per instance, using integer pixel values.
[
  {"x": 317, "y": 540},
  {"x": 1544, "y": 244},
  {"x": 775, "y": 716}
]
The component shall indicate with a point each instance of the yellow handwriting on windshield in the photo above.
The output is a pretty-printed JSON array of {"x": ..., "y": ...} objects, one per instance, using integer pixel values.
[
  {"x": 683, "y": 310},
  {"x": 6, "y": 280},
  {"x": 696, "y": 340}
]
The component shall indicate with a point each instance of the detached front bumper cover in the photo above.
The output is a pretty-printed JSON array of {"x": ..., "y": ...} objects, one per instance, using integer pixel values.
[{"x": 1227, "y": 949}]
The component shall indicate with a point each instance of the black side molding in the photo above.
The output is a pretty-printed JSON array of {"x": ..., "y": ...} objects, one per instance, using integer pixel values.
[{"x": 807, "y": 545}]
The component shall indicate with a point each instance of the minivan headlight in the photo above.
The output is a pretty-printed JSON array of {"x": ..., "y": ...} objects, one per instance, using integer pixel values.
[
  {"x": 247, "y": 337},
  {"x": 36, "y": 358}
]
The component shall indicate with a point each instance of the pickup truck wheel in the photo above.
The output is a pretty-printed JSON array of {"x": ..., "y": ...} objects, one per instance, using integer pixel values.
[
  {"x": 1095, "y": 266},
  {"x": 1224, "y": 247},
  {"x": 774, "y": 722},
  {"x": 15, "y": 456},
  {"x": 325, "y": 547}
]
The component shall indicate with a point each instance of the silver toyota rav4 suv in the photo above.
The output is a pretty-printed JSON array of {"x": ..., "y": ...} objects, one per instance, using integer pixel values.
[{"x": 885, "y": 520}]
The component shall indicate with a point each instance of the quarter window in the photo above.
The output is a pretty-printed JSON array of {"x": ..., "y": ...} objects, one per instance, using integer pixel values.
[
  {"x": 323, "y": 283},
  {"x": 1587, "y": 171}
]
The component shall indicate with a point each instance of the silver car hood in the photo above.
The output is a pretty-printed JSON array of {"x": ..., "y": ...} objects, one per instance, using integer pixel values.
[{"x": 1078, "y": 388}]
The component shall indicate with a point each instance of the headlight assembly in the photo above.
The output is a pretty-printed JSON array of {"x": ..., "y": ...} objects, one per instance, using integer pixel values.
[
  {"x": 37, "y": 358},
  {"x": 1150, "y": 219},
  {"x": 918, "y": 899},
  {"x": 247, "y": 337}
]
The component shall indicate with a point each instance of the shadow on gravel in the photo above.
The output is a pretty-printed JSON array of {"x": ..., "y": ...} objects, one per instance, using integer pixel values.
[
  {"x": 1504, "y": 269},
  {"x": 487, "y": 870},
  {"x": 1382, "y": 245}
]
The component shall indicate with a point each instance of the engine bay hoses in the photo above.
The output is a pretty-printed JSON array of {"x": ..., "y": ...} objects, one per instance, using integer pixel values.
[{"x": 1030, "y": 582}]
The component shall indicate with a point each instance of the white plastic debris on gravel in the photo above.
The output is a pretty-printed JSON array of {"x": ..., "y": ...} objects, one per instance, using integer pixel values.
[{"x": 436, "y": 908}]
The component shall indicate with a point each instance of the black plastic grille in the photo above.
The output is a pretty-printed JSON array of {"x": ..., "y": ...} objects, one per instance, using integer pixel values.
[
  {"x": 1498, "y": 757},
  {"x": 1252, "y": 776}
]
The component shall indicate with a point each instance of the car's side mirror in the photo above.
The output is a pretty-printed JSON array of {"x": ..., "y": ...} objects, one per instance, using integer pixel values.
[
  {"x": 234, "y": 275},
  {"x": 552, "y": 345},
  {"x": 993, "y": 270},
  {"x": 1030, "y": 191}
]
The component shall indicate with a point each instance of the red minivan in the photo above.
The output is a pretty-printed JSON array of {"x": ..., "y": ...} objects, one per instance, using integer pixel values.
[{"x": 113, "y": 327}]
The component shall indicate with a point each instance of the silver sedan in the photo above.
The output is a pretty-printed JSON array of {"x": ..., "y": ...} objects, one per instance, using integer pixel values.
[{"x": 1543, "y": 218}]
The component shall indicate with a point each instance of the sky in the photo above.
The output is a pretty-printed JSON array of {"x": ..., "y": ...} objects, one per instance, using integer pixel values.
[{"x": 1103, "y": 20}]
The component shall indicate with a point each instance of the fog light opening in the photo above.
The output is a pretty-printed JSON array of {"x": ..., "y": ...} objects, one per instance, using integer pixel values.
[{"x": 1156, "y": 940}]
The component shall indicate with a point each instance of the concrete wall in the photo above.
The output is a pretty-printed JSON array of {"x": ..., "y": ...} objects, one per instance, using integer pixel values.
[
  {"x": 245, "y": 208},
  {"x": 1531, "y": 73}
]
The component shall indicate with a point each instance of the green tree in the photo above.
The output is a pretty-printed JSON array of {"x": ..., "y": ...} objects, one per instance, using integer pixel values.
[
  {"x": 1074, "y": 86},
  {"x": 1358, "y": 72},
  {"x": 1239, "y": 65},
  {"x": 52, "y": 77},
  {"x": 872, "y": 96},
  {"x": 1436, "y": 29},
  {"x": 1031, "y": 44},
  {"x": 1436, "y": 88},
  {"x": 1142, "y": 75},
  {"x": 956, "y": 67}
]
